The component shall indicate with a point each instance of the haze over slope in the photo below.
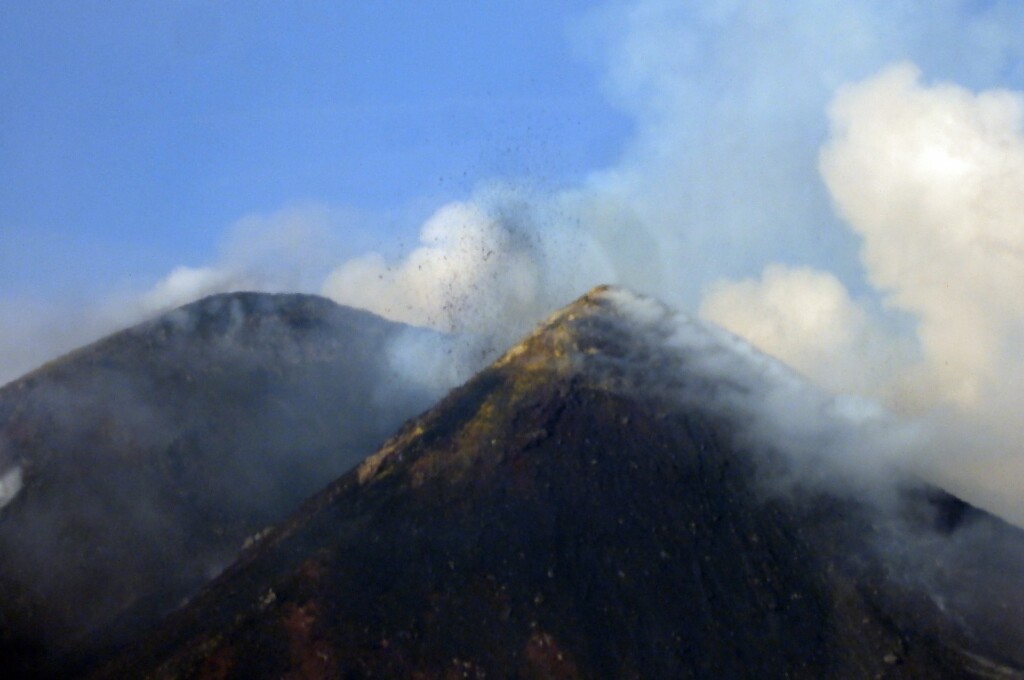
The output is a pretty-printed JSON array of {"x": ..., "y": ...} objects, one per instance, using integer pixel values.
[{"x": 132, "y": 471}]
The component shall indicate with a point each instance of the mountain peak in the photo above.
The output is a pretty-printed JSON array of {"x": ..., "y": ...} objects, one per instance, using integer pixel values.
[
  {"x": 574, "y": 343},
  {"x": 132, "y": 470},
  {"x": 557, "y": 340}
]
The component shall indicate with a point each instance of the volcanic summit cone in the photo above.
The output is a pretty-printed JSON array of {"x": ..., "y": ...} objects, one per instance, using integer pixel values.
[
  {"x": 584, "y": 508},
  {"x": 132, "y": 470}
]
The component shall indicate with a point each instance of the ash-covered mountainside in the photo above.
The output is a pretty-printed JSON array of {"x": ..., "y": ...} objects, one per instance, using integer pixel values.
[
  {"x": 132, "y": 471},
  {"x": 596, "y": 505}
]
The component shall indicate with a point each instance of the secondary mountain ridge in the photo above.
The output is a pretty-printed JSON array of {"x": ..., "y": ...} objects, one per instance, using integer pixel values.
[{"x": 137, "y": 467}]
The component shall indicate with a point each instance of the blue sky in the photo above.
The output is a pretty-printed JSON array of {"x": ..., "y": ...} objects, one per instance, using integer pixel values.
[{"x": 133, "y": 133}]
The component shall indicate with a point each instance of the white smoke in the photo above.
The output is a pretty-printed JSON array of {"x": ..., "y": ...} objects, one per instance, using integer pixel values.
[
  {"x": 807, "y": 318},
  {"x": 185, "y": 284},
  {"x": 492, "y": 266},
  {"x": 720, "y": 178},
  {"x": 291, "y": 249},
  {"x": 469, "y": 265},
  {"x": 831, "y": 442},
  {"x": 929, "y": 177}
]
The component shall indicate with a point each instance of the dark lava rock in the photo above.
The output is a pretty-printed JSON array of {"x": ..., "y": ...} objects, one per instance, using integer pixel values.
[
  {"x": 560, "y": 516},
  {"x": 147, "y": 459}
]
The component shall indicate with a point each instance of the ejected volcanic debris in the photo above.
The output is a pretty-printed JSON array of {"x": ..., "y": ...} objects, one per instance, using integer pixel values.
[
  {"x": 587, "y": 508},
  {"x": 133, "y": 470}
]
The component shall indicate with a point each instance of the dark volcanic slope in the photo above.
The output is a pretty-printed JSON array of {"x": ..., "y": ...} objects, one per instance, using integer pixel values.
[
  {"x": 147, "y": 459},
  {"x": 552, "y": 518}
]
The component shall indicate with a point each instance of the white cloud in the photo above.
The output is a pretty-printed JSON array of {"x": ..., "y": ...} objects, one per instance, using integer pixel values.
[
  {"x": 930, "y": 178},
  {"x": 720, "y": 178}
]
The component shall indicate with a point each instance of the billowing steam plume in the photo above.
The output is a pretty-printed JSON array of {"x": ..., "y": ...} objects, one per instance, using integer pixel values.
[{"x": 929, "y": 177}]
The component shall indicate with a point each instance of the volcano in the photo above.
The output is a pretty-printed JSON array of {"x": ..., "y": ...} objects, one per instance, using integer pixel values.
[
  {"x": 597, "y": 504},
  {"x": 133, "y": 470}
]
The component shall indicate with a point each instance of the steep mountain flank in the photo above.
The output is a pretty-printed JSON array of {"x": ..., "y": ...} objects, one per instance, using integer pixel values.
[
  {"x": 132, "y": 471},
  {"x": 589, "y": 507}
]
